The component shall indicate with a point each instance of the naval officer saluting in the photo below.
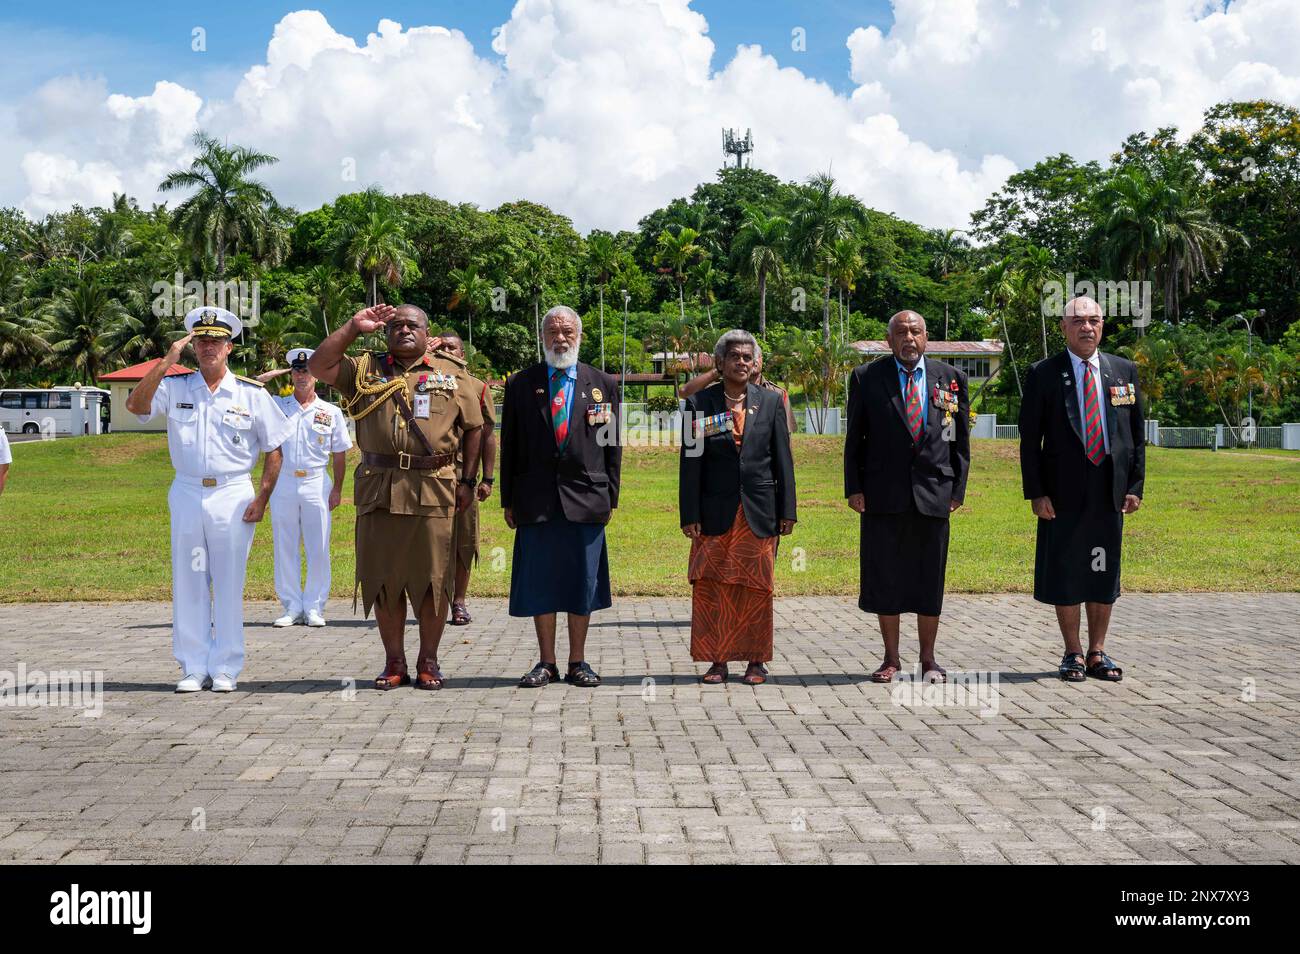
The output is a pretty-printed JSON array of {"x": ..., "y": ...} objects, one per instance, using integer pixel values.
[
  {"x": 217, "y": 425},
  {"x": 305, "y": 496}
]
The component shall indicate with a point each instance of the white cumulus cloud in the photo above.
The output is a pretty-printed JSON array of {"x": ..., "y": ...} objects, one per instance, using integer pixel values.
[{"x": 606, "y": 109}]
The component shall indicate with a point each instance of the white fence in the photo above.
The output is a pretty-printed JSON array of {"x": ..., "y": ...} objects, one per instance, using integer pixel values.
[{"x": 1285, "y": 436}]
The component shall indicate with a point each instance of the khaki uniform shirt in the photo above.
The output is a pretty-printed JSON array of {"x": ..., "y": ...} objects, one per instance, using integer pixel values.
[{"x": 453, "y": 408}]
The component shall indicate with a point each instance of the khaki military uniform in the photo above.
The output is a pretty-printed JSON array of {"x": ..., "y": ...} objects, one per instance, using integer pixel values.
[
  {"x": 467, "y": 519},
  {"x": 406, "y": 503}
]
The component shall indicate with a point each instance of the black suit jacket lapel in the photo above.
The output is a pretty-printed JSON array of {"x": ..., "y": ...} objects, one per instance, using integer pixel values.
[
  {"x": 1070, "y": 391},
  {"x": 895, "y": 389},
  {"x": 931, "y": 382},
  {"x": 751, "y": 401},
  {"x": 541, "y": 384}
]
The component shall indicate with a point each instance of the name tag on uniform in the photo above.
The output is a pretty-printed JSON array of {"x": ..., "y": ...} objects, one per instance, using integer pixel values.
[
  {"x": 422, "y": 406},
  {"x": 713, "y": 424},
  {"x": 181, "y": 406},
  {"x": 1123, "y": 394},
  {"x": 599, "y": 413}
]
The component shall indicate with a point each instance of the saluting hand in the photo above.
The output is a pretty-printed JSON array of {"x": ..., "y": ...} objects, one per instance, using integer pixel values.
[
  {"x": 1043, "y": 508},
  {"x": 178, "y": 346},
  {"x": 858, "y": 503},
  {"x": 1131, "y": 503},
  {"x": 372, "y": 318}
]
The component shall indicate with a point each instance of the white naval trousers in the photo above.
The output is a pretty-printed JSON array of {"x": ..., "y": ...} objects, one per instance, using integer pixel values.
[
  {"x": 210, "y": 547},
  {"x": 300, "y": 514}
]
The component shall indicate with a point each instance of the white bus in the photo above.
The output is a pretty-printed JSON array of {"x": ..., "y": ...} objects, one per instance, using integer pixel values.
[{"x": 59, "y": 411}]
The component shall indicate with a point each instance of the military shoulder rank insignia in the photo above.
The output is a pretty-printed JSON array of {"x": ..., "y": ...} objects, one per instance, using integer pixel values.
[
  {"x": 253, "y": 381},
  {"x": 712, "y": 424}
]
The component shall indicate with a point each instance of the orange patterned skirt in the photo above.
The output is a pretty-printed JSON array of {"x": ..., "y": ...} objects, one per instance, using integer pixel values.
[{"x": 731, "y": 606}]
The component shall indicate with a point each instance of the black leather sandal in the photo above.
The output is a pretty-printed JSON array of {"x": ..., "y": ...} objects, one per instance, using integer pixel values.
[
  {"x": 1105, "y": 668},
  {"x": 1071, "y": 669},
  {"x": 543, "y": 674},
  {"x": 580, "y": 674}
]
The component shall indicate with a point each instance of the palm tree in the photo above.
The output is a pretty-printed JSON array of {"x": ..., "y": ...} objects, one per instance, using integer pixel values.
[
  {"x": 846, "y": 265},
  {"x": 21, "y": 344},
  {"x": 374, "y": 243},
  {"x": 1032, "y": 271},
  {"x": 759, "y": 248},
  {"x": 821, "y": 217},
  {"x": 602, "y": 260},
  {"x": 228, "y": 209},
  {"x": 950, "y": 252},
  {"x": 325, "y": 285},
  {"x": 532, "y": 276},
  {"x": 999, "y": 291},
  {"x": 704, "y": 276},
  {"x": 76, "y": 325},
  {"x": 472, "y": 292},
  {"x": 676, "y": 253},
  {"x": 141, "y": 333}
]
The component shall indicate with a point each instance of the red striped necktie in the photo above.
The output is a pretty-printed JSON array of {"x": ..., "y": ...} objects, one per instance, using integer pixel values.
[
  {"x": 1094, "y": 444},
  {"x": 913, "y": 402}
]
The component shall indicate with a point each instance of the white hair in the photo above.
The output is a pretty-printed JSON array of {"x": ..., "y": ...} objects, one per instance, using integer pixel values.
[
  {"x": 734, "y": 337},
  {"x": 562, "y": 311}
]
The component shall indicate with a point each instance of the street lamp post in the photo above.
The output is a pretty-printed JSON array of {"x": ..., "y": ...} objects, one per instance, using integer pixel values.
[
  {"x": 622, "y": 383},
  {"x": 1250, "y": 393}
]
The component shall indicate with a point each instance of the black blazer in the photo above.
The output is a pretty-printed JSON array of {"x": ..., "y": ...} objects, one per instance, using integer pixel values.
[
  {"x": 1052, "y": 459},
  {"x": 759, "y": 477},
  {"x": 535, "y": 476},
  {"x": 883, "y": 463}
]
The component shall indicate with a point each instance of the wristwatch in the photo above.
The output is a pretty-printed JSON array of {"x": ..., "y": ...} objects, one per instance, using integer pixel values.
[
  {"x": 469, "y": 481},
  {"x": 489, "y": 481}
]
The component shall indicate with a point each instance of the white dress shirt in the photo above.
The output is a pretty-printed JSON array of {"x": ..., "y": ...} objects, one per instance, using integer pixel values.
[
  {"x": 6, "y": 455},
  {"x": 1095, "y": 364},
  {"x": 217, "y": 433},
  {"x": 318, "y": 431}
]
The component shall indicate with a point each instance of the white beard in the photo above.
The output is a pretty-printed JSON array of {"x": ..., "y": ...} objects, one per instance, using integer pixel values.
[{"x": 561, "y": 362}]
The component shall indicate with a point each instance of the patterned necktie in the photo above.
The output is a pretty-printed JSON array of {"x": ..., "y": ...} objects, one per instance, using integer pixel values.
[
  {"x": 913, "y": 403},
  {"x": 1093, "y": 443},
  {"x": 559, "y": 414}
]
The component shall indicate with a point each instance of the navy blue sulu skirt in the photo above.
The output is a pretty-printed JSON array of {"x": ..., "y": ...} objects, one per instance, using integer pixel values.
[{"x": 559, "y": 567}]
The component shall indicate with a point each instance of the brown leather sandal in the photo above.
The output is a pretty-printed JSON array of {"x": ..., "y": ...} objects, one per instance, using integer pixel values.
[
  {"x": 932, "y": 672},
  {"x": 427, "y": 675},
  {"x": 886, "y": 672},
  {"x": 716, "y": 675},
  {"x": 755, "y": 675},
  {"x": 459, "y": 614},
  {"x": 394, "y": 675}
]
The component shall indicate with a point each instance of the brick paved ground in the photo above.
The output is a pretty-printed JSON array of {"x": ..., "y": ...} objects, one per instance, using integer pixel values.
[{"x": 1179, "y": 763}]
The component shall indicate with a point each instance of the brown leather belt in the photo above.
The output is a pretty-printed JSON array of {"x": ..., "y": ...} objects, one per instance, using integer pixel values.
[{"x": 405, "y": 461}]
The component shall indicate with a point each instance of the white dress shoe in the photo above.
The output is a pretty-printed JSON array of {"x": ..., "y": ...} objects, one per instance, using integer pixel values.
[
  {"x": 288, "y": 619},
  {"x": 193, "y": 682},
  {"x": 315, "y": 619},
  {"x": 223, "y": 683}
]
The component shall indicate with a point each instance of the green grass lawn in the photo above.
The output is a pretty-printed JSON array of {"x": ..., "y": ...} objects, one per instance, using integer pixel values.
[{"x": 86, "y": 519}]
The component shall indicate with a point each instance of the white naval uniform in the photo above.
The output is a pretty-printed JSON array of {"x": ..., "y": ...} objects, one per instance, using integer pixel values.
[
  {"x": 214, "y": 438},
  {"x": 6, "y": 455},
  {"x": 300, "y": 508}
]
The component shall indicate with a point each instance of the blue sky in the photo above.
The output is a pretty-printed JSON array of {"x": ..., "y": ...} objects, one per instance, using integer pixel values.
[{"x": 133, "y": 43}]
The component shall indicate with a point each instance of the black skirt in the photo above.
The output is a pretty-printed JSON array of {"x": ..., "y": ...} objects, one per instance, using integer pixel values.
[
  {"x": 1078, "y": 554},
  {"x": 559, "y": 567},
  {"x": 904, "y": 559}
]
